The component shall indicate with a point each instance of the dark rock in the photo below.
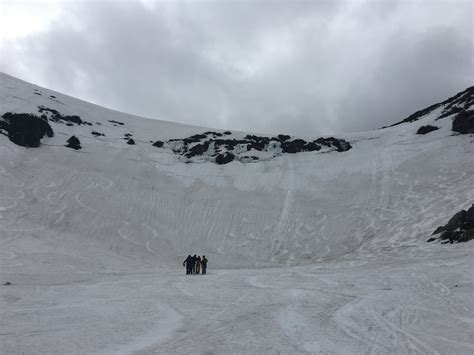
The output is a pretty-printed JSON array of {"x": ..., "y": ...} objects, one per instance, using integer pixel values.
[
  {"x": 57, "y": 117},
  {"x": 311, "y": 146},
  {"x": 469, "y": 218},
  {"x": 456, "y": 221},
  {"x": 74, "y": 143},
  {"x": 69, "y": 124},
  {"x": 431, "y": 240},
  {"x": 452, "y": 236},
  {"x": 38, "y": 93},
  {"x": 439, "y": 230},
  {"x": 131, "y": 141},
  {"x": 198, "y": 149},
  {"x": 323, "y": 141},
  {"x": 468, "y": 235},
  {"x": 197, "y": 137},
  {"x": 52, "y": 96},
  {"x": 158, "y": 144},
  {"x": 448, "y": 111},
  {"x": 127, "y": 135},
  {"x": 214, "y": 134},
  {"x": 25, "y": 129},
  {"x": 198, "y": 144},
  {"x": 224, "y": 158},
  {"x": 463, "y": 98},
  {"x": 464, "y": 122},
  {"x": 460, "y": 228},
  {"x": 426, "y": 129},
  {"x": 283, "y": 137},
  {"x": 8, "y": 283},
  {"x": 97, "y": 134},
  {"x": 227, "y": 133},
  {"x": 294, "y": 146},
  {"x": 117, "y": 122}
]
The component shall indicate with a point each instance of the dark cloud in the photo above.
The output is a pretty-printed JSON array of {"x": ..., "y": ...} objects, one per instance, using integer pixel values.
[{"x": 301, "y": 67}]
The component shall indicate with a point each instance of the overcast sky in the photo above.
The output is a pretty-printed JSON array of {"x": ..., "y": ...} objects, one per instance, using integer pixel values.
[{"x": 298, "y": 67}]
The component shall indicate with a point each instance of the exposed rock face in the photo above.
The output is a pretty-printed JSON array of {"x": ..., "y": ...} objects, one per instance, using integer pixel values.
[
  {"x": 464, "y": 122},
  {"x": 460, "y": 228},
  {"x": 24, "y": 129},
  {"x": 224, "y": 158},
  {"x": 73, "y": 143},
  {"x": 131, "y": 141},
  {"x": 213, "y": 146},
  {"x": 55, "y": 116},
  {"x": 117, "y": 122},
  {"x": 459, "y": 102},
  {"x": 426, "y": 129}
]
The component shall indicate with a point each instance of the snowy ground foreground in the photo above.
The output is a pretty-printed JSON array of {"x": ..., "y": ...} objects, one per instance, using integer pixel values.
[{"x": 308, "y": 253}]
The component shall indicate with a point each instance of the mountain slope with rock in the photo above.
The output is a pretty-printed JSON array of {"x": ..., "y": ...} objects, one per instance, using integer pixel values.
[{"x": 315, "y": 244}]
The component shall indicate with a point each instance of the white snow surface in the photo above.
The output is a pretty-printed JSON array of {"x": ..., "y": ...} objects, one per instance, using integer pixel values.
[{"x": 308, "y": 253}]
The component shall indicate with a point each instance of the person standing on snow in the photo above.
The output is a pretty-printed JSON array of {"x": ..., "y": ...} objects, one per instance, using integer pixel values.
[
  {"x": 198, "y": 265},
  {"x": 203, "y": 264},
  {"x": 194, "y": 263},
  {"x": 188, "y": 262}
]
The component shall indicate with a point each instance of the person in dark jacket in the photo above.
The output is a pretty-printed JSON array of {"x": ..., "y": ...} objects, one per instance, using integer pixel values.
[
  {"x": 194, "y": 263},
  {"x": 203, "y": 265},
  {"x": 189, "y": 264}
]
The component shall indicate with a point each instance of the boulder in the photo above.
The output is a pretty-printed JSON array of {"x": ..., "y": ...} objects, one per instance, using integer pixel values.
[
  {"x": 131, "y": 141},
  {"x": 224, "y": 158},
  {"x": 158, "y": 144},
  {"x": 73, "y": 143},
  {"x": 426, "y": 129},
  {"x": 464, "y": 122},
  {"x": 26, "y": 129}
]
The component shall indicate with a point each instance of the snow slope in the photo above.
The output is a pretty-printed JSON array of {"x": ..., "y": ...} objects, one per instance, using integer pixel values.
[{"x": 316, "y": 252}]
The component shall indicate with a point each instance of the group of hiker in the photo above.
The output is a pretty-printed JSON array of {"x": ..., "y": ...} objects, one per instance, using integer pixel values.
[{"x": 195, "y": 265}]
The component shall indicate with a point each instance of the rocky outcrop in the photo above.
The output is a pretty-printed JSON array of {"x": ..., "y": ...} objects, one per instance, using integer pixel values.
[
  {"x": 224, "y": 158},
  {"x": 426, "y": 129},
  {"x": 459, "y": 102},
  {"x": 464, "y": 122},
  {"x": 460, "y": 228},
  {"x": 55, "y": 116},
  {"x": 25, "y": 129},
  {"x": 73, "y": 143},
  {"x": 215, "y": 147}
]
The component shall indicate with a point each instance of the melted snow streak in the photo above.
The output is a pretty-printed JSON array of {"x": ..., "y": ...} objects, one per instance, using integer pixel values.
[{"x": 307, "y": 252}]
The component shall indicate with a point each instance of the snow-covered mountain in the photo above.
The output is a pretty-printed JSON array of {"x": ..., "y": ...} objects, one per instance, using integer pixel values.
[{"x": 317, "y": 243}]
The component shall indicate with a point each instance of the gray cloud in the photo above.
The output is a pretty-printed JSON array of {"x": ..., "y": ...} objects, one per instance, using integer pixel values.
[{"x": 299, "y": 67}]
